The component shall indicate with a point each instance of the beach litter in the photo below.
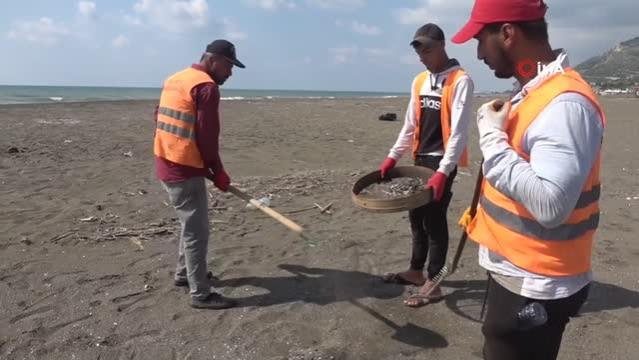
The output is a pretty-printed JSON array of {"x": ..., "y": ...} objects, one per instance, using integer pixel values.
[
  {"x": 388, "y": 117},
  {"x": 394, "y": 188},
  {"x": 138, "y": 243},
  {"x": 324, "y": 209},
  {"x": 265, "y": 201}
]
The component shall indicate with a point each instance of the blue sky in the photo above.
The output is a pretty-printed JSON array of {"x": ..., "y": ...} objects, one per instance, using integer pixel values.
[{"x": 359, "y": 45}]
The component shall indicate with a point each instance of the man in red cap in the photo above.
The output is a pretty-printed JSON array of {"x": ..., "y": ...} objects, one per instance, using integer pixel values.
[
  {"x": 539, "y": 202},
  {"x": 435, "y": 133}
]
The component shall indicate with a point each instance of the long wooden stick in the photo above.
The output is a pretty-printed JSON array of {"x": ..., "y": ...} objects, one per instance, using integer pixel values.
[
  {"x": 448, "y": 270},
  {"x": 473, "y": 211},
  {"x": 267, "y": 210}
]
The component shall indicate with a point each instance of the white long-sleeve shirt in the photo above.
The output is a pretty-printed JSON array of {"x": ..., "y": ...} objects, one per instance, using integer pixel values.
[
  {"x": 460, "y": 118},
  {"x": 563, "y": 142}
]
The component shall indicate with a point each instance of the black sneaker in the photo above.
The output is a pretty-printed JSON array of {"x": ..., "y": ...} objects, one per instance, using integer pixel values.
[
  {"x": 214, "y": 301},
  {"x": 185, "y": 282}
]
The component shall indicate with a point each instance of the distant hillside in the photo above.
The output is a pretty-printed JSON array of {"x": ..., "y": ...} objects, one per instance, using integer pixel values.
[{"x": 617, "y": 68}]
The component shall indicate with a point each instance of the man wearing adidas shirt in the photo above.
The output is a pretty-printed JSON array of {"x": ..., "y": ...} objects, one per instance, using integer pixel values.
[{"x": 435, "y": 132}]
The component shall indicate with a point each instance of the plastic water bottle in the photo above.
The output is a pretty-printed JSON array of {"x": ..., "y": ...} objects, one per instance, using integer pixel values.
[
  {"x": 265, "y": 201},
  {"x": 531, "y": 316}
]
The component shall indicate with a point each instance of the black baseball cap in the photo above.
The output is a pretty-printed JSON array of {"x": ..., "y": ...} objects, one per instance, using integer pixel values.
[
  {"x": 226, "y": 49},
  {"x": 428, "y": 35}
]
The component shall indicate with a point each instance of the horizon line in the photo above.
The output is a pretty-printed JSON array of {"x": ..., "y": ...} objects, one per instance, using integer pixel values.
[
  {"x": 238, "y": 89},
  {"x": 226, "y": 88}
]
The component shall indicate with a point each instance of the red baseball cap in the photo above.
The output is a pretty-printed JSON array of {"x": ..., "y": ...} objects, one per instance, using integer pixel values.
[{"x": 495, "y": 11}]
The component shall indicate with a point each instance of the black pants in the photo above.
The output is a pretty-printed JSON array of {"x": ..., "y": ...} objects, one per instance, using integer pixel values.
[
  {"x": 505, "y": 340},
  {"x": 429, "y": 225}
]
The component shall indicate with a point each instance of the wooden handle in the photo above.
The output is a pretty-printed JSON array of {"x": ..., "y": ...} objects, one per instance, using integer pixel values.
[
  {"x": 267, "y": 210},
  {"x": 473, "y": 211},
  {"x": 477, "y": 192}
]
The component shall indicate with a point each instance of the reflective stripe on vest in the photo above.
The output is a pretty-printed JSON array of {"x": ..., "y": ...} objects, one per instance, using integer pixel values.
[
  {"x": 534, "y": 229},
  {"x": 177, "y": 115},
  {"x": 176, "y": 130},
  {"x": 507, "y": 227},
  {"x": 446, "y": 106},
  {"x": 175, "y": 124}
]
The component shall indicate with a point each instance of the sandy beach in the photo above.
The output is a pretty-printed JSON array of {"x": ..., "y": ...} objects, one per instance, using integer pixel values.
[{"x": 88, "y": 242}]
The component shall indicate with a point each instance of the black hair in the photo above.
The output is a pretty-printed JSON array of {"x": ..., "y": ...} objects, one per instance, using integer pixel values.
[
  {"x": 533, "y": 30},
  {"x": 431, "y": 31}
]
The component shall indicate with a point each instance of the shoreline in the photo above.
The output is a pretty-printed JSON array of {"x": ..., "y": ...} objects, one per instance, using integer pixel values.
[{"x": 232, "y": 98}]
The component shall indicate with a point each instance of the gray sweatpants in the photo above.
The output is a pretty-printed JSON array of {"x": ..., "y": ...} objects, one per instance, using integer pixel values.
[{"x": 189, "y": 198}]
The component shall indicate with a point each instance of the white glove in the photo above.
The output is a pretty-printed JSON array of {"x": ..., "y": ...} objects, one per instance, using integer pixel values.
[{"x": 490, "y": 123}]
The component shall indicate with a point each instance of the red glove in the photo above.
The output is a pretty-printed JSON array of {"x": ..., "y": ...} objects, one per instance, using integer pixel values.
[
  {"x": 438, "y": 183},
  {"x": 221, "y": 180},
  {"x": 388, "y": 164}
]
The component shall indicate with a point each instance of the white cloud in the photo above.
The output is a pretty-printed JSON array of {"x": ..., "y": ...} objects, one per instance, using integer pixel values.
[
  {"x": 588, "y": 14},
  {"x": 236, "y": 35},
  {"x": 86, "y": 9},
  {"x": 343, "y": 55},
  {"x": 271, "y": 5},
  {"x": 582, "y": 44},
  {"x": 174, "y": 15},
  {"x": 385, "y": 57},
  {"x": 337, "y": 4},
  {"x": 44, "y": 31},
  {"x": 231, "y": 31},
  {"x": 377, "y": 52},
  {"x": 359, "y": 28},
  {"x": 365, "y": 29},
  {"x": 132, "y": 20},
  {"x": 434, "y": 11},
  {"x": 120, "y": 41}
]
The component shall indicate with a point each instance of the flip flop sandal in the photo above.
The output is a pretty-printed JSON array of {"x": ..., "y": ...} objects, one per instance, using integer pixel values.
[
  {"x": 418, "y": 300},
  {"x": 395, "y": 278}
]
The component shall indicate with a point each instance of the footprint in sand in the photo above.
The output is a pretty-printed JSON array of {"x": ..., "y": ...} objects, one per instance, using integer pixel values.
[
  {"x": 40, "y": 310},
  {"x": 150, "y": 258}
]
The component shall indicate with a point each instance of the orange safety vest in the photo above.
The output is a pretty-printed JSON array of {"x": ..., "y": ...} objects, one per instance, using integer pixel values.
[
  {"x": 175, "y": 125},
  {"x": 507, "y": 228},
  {"x": 447, "y": 103}
]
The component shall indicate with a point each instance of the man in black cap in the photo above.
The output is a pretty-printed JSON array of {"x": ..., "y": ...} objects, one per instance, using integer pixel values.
[
  {"x": 186, "y": 153},
  {"x": 435, "y": 131},
  {"x": 220, "y": 50}
]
